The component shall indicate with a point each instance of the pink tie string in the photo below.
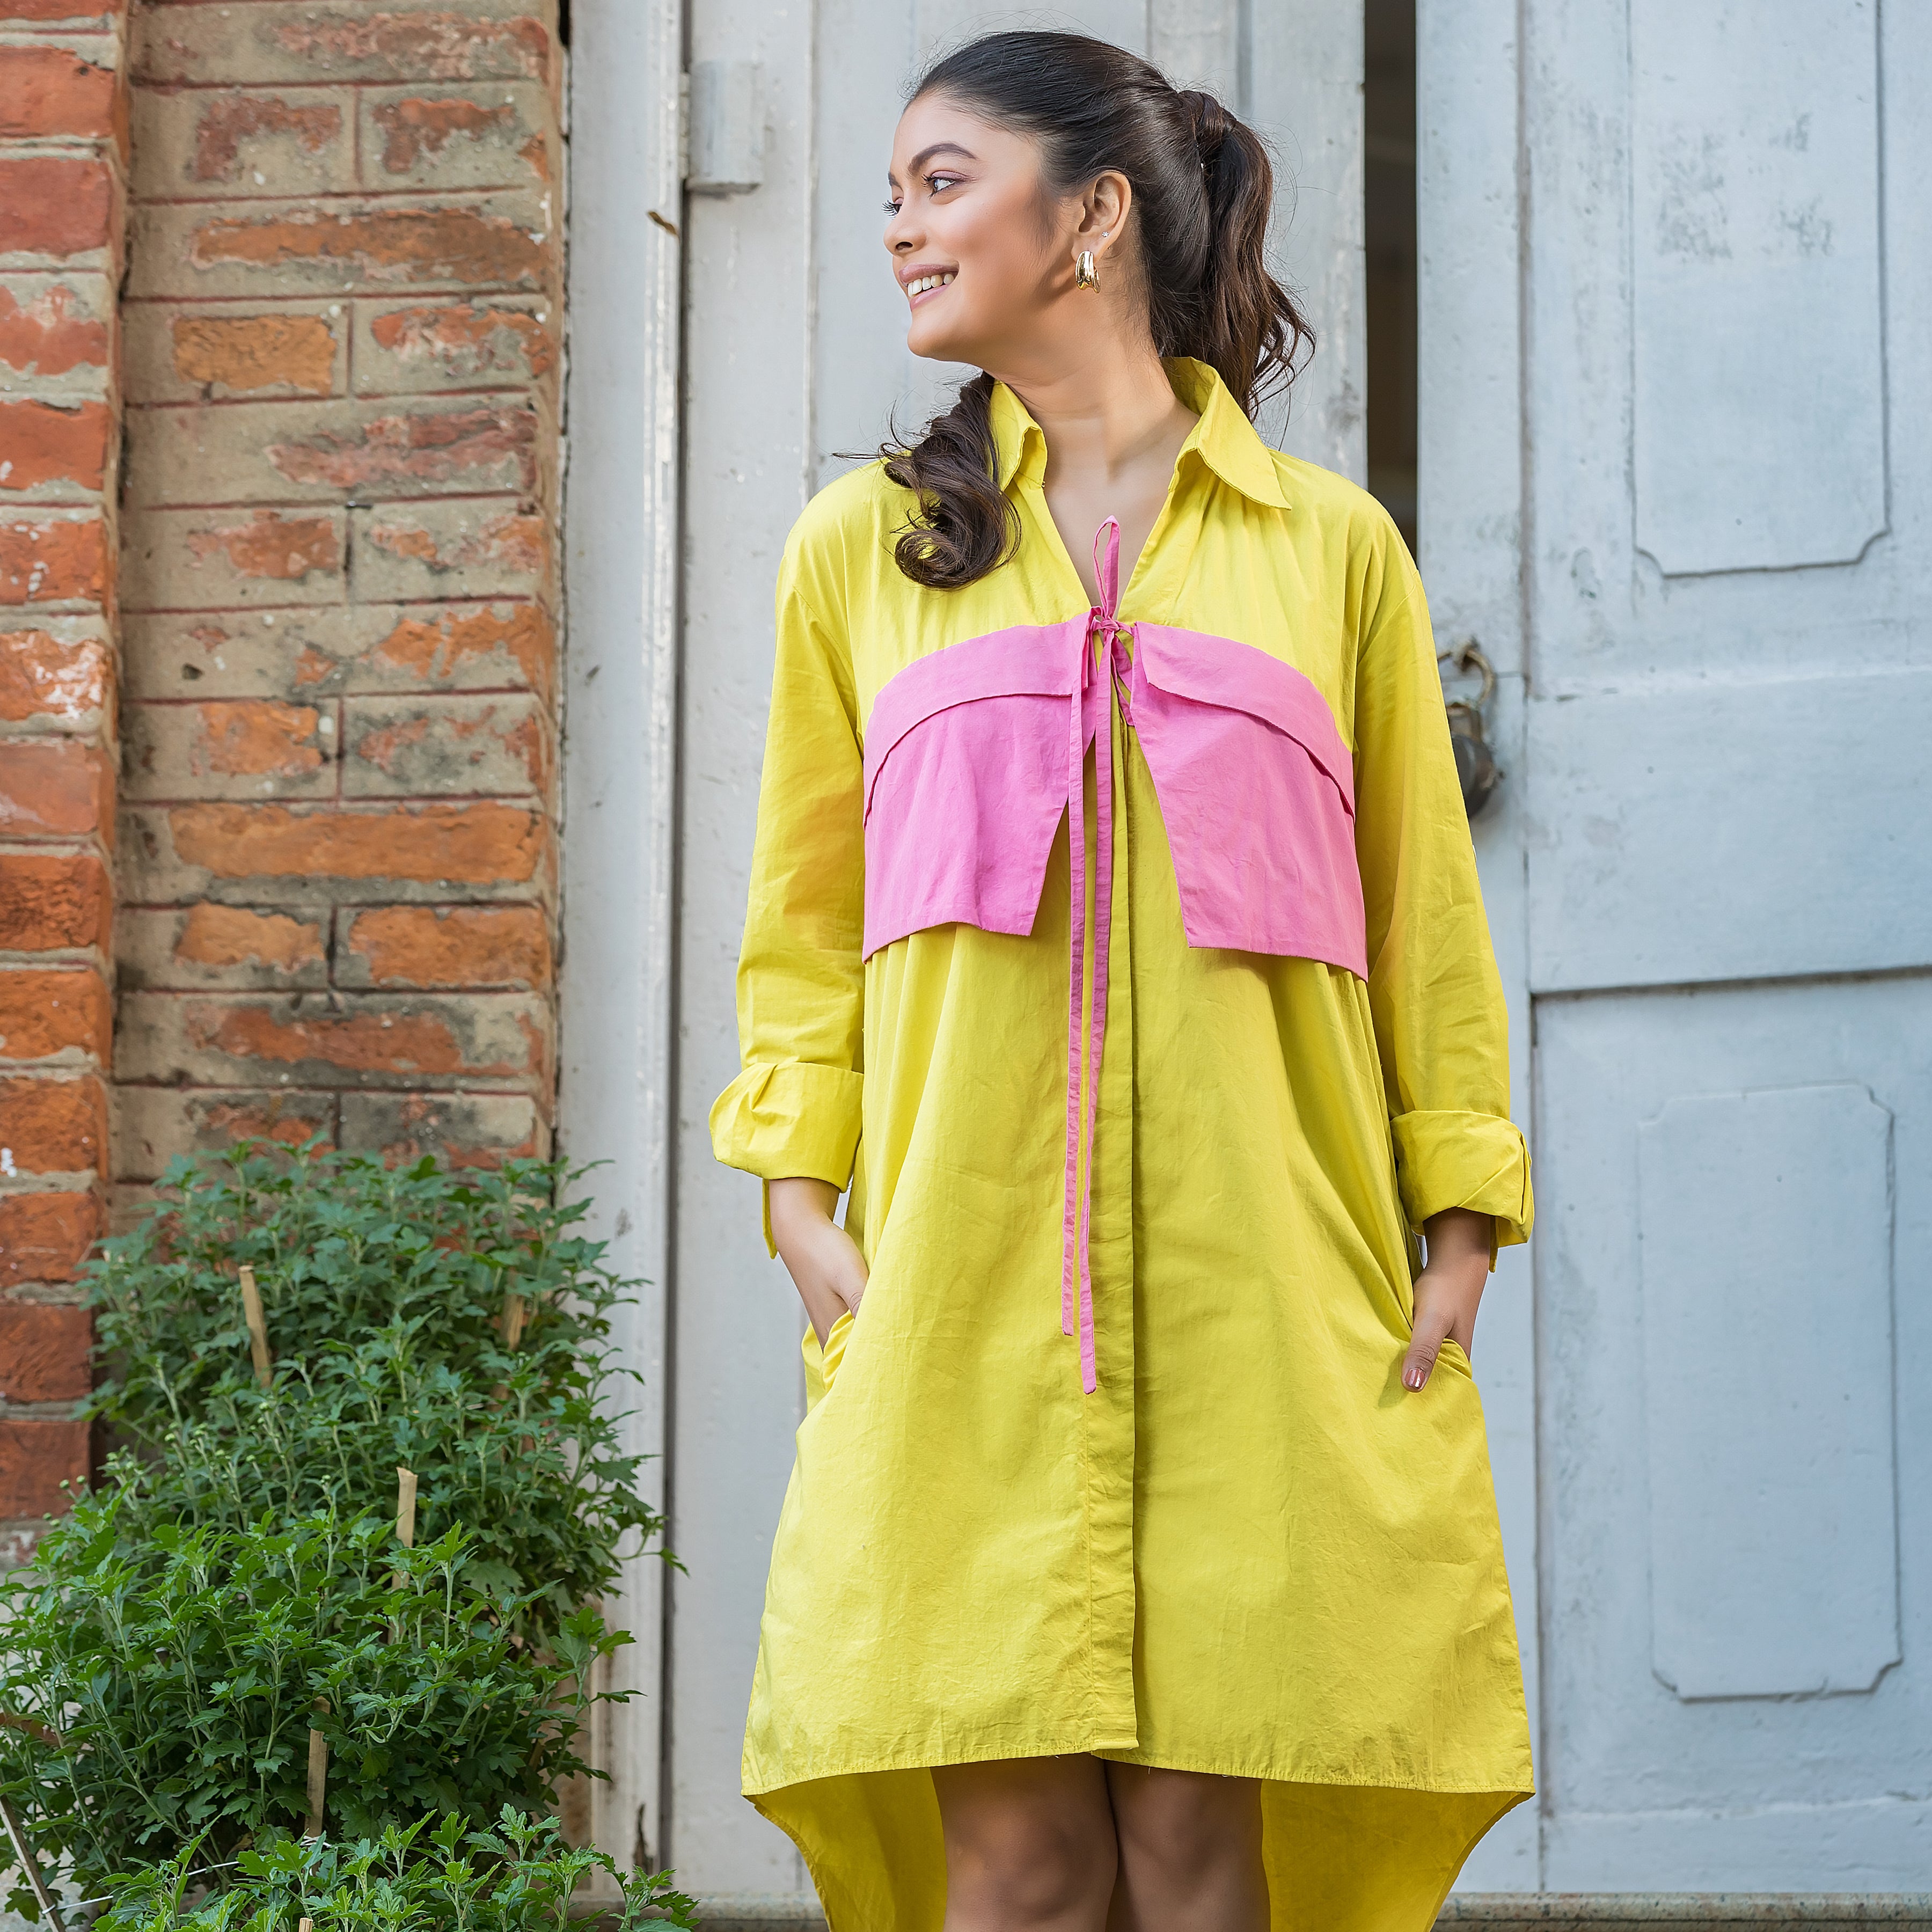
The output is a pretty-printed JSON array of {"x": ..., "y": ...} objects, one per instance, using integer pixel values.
[{"x": 1076, "y": 1279}]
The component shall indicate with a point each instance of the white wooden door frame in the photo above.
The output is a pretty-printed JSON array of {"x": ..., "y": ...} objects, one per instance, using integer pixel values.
[
  {"x": 1469, "y": 516},
  {"x": 616, "y": 1058}
]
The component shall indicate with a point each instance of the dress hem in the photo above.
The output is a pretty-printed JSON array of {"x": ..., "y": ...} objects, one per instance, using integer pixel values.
[
  {"x": 1130, "y": 1752},
  {"x": 812, "y": 1853}
]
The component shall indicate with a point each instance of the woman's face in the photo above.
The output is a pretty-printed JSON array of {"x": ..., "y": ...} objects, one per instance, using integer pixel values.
[{"x": 981, "y": 255}]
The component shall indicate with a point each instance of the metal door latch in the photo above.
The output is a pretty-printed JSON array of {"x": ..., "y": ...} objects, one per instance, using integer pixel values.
[{"x": 1476, "y": 768}]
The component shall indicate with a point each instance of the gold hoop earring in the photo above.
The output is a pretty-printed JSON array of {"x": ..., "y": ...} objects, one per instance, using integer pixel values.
[{"x": 1084, "y": 276}]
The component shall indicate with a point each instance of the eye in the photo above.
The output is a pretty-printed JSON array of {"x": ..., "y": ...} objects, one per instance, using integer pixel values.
[
  {"x": 890, "y": 207},
  {"x": 939, "y": 184}
]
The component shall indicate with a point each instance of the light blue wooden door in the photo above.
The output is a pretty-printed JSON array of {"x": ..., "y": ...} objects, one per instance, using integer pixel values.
[{"x": 1674, "y": 476}]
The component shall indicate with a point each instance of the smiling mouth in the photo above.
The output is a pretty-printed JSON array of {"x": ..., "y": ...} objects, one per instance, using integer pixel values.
[{"x": 926, "y": 285}]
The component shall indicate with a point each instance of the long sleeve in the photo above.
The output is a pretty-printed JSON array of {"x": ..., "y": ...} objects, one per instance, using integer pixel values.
[
  {"x": 795, "y": 1108},
  {"x": 1442, "y": 1028}
]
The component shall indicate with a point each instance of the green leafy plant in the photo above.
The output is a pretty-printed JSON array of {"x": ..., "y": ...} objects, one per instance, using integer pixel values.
[
  {"x": 181, "y": 1678},
  {"x": 518, "y": 1877},
  {"x": 450, "y": 1321},
  {"x": 238, "y": 1578}
]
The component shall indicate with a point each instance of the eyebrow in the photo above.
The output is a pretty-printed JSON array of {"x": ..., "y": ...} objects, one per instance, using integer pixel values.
[{"x": 925, "y": 154}]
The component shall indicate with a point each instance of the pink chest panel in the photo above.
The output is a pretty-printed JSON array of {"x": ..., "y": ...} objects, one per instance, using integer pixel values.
[{"x": 966, "y": 773}]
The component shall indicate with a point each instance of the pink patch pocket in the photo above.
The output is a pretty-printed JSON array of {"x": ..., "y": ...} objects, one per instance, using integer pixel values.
[
  {"x": 1257, "y": 792},
  {"x": 965, "y": 782}
]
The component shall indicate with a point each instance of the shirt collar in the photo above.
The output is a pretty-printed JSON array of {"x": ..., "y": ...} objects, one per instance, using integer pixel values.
[{"x": 1224, "y": 438}]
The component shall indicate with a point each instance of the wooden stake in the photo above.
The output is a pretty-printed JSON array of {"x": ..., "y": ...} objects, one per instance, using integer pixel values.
[
  {"x": 258, "y": 1329},
  {"x": 515, "y": 1310},
  {"x": 318, "y": 1782},
  {"x": 23, "y": 1853},
  {"x": 406, "y": 1507}
]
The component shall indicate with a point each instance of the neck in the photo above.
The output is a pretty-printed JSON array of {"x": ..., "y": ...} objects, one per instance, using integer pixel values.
[{"x": 1101, "y": 413}]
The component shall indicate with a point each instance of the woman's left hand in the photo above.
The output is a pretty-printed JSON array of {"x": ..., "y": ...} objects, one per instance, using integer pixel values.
[{"x": 1448, "y": 1289}]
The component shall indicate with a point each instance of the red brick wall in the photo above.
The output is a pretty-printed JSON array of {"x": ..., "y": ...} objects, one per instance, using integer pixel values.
[
  {"x": 336, "y": 874},
  {"x": 277, "y": 586},
  {"x": 63, "y": 124}
]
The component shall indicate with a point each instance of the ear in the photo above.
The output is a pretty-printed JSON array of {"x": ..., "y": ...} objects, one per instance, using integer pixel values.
[{"x": 1103, "y": 212}]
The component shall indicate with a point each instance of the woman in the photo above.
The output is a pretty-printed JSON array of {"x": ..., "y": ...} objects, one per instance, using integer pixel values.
[{"x": 1114, "y": 931}]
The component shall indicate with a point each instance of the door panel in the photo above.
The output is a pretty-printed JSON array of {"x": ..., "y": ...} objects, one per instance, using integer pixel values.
[
  {"x": 1755, "y": 249},
  {"x": 1737, "y": 830},
  {"x": 1740, "y": 1590}
]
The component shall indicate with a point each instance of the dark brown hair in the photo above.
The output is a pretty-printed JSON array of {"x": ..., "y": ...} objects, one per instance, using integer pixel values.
[{"x": 1203, "y": 187}]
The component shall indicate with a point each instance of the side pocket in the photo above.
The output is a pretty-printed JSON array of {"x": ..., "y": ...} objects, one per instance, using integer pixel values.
[
  {"x": 822, "y": 1364},
  {"x": 834, "y": 1345},
  {"x": 1452, "y": 1352}
]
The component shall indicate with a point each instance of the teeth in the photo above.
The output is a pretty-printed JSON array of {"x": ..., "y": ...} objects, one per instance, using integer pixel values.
[{"x": 919, "y": 286}]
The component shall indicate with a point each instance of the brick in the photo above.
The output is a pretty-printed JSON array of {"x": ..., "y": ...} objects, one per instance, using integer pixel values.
[
  {"x": 57, "y": 1014},
  {"x": 50, "y": 205},
  {"x": 331, "y": 1040},
  {"x": 445, "y": 947},
  {"x": 51, "y": 12},
  {"x": 464, "y": 1129},
  {"x": 50, "y": 561},
  {"x": 420, "y": 747},
  {"x": 55, "y": 328},
  {"x": 323, "y": 451},
  {"x": 474, "y": 549},
  {"x": 309, "y": 655},
  {"x": 53, "y": 1127},
  {"x": 54, "y": 680},
  {"x": 52, "y": 91},
  {"x": 235, "y": 747},
  {"x": 46, "y": 1237},
  {"x": 55, "y": 787},
  {"x": 189, "y": 560},
  {"x": 51, "y": 902},
  {"x": 308, "y": 854},
  {"x": 176, "y": 355},
  {"x": 38, "y": 1457},
  {"x": 208, "y": 946},
  {"x": 153, "y": 1124},
  {"x": 479, "y": 39},
  {"x": 426, "y": 347},
  {"x": 220, "y": 142},
  {"x": 443, "y": 138},
  {"x": 45, "y": 1351},
  {"x": 54, "y": 447},
  {"x": 256, "y": 248}
]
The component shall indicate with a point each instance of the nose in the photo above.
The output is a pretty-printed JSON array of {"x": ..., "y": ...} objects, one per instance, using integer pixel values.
[{"x": 902, "y": 233}]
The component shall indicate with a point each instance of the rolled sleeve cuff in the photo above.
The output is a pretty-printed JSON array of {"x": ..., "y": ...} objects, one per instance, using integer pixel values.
[
  {"x": 1476, "y": 1161},
  {"x": 784, "y": 1118}
]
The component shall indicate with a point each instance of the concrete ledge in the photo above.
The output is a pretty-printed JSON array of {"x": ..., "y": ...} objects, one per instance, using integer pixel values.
[
  {"x": 1586, "y": 1911},
  {"x": 739, "y": 1914},
  {"x": 1574, "y": 1911}
]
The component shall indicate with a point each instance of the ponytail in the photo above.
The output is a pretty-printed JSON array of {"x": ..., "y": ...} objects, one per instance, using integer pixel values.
[{"x": 1203, "y": 189}]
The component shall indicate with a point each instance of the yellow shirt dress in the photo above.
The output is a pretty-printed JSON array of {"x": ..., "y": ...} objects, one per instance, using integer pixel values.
[{"x": 1115, "y": 1456}]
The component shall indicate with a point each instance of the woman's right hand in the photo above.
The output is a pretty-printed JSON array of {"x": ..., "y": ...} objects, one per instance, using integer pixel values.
[{"x": 824, "y": 1260}]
